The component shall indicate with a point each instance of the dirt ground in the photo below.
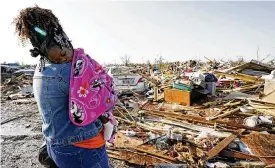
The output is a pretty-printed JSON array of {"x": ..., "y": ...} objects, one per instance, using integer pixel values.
[{"x": 21, "y": 136}]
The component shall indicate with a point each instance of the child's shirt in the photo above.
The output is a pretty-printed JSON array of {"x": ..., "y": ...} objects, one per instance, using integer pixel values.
[{"x": 93, "y": 143}]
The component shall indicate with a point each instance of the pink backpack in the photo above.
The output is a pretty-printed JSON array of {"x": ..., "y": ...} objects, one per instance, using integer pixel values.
[{"x": 91, "y": 91}]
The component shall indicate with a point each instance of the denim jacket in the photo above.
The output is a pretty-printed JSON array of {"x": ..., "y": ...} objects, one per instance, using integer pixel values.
[{"x": 51, "y": 91}]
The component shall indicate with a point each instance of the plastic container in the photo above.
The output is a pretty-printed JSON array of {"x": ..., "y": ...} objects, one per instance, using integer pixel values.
[
  {"x": 246, "y": 109},
  {"x": 180, "y": 86},
  {"x": 211, "y": 86},
  {"x": 252, "y": 121}
]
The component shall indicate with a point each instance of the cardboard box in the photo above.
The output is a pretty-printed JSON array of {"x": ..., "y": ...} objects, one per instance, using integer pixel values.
[{"x": 182, "y": 97}]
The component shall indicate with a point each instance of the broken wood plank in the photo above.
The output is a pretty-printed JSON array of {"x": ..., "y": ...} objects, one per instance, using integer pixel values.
[
  {"x": 195, "y": 119},
  {"x": 122, "y": 114},
  {"x": 220, "y": 146},
  {"x": 124, "y": 108},
  {"x": 156, "y": 154},
  {"x": 240, "y": 155},
  {"x": 176, "y": 116},
  {"x": 242, "y": 88},
  {"x": 122, "y": 141},
  {"x": 143, "y": 126},
  {"x": 139, "y": 158},
  {"x": 224, "y": 114},
  {"x": 240, "y": 76},
  {"x": 146, "y": 142},
  {"x": 144, "y": 104},
  {"x": 154, "y": 81},
  {"x": 252, "y": 164}
]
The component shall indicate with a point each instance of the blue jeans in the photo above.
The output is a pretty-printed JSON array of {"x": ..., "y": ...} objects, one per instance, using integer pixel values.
[
  {"x": 51, "y": 91},
  {"x": 76, "y": 157}
]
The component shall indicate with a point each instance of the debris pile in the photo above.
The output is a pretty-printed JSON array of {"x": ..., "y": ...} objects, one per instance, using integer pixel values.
[
  {"x": 198, "y": 115},
  {"x": 190, "y": 114},
  {"x": 17, "y": 87}
]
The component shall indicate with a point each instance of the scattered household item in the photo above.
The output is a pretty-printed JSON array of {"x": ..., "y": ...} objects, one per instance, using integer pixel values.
[
  {"x": 177, "y": 96},
  {"x": 247, "y": 109},
  {"x": 181, "y": 86},
  {"x": 254, "y": 121},
  {"x": 129, "y": 133}
]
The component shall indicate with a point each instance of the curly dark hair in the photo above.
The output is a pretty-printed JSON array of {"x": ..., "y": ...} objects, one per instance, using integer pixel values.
[
  {"x": 32, "y": 18},
  {"x": 42, "y": 28}
]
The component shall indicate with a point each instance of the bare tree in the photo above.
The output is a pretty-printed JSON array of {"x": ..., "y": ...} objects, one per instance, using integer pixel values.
[
  {"x": 148, "y": 62},
  {"x": 159, "y": 61},
  {"x": 125, "y": 59}
]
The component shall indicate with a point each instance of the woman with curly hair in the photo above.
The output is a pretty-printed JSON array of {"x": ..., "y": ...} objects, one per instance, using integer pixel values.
[{"x": 66, "y": 144}]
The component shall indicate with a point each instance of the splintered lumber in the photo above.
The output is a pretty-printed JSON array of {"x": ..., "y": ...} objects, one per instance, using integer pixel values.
[
  {"x": 123, "y": 141},
  {"x": 144, "y": 104},
  {"x": 224, "y": 114},
  {"x": 240, "y": 76},
  {"x": 270, "y": 105},
  {"x": 220, "y": 146},
  {"x": 122, "y": 114},
  {"x": 179, "y": 116},
  {"x": 124, "y": 108},
  {"x": 154, "y": 81},
  {"x": 263, "y": 107},
  {"x": 156, "y": 154},
  {"x": 143, "y": 126},
  {"x": 253, "y": 164},
  {"x": 270, "y": 166},
  {"x": 240, "y": 155},
  {"x": 138, "y": 158},
  {"x": 242, "y": 88}
]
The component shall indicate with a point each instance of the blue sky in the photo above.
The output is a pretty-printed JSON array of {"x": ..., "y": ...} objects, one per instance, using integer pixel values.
[{"x": 176, "y": 30}]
